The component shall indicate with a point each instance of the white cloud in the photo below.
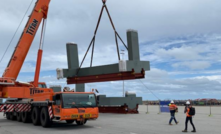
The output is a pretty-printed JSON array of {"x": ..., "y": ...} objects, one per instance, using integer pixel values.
[
  {"x": 195, "y": 72},
  {"x": 156, "y": 73},
  {"x": 193, "y": 64},
  {"x": 183, "y": 53},
  {"x": 196, "y": 21},
  {"x": 211, "y": 78}
]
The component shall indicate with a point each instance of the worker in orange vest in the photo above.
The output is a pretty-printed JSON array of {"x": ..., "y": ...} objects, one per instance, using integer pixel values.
[
  {"x": 188, "y": 117},
  {"x": 173, "y": 109}
]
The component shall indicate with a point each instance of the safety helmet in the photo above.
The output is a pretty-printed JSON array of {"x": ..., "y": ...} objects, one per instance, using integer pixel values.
[
  {"x": 172, "y": 101},
  {"x": 188, "y": 102}
]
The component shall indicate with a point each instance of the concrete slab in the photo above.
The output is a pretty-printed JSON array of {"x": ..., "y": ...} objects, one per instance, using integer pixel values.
[{"x": 142, "y": 123}]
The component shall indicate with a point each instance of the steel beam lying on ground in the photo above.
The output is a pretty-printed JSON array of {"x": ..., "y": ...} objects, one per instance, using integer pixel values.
[{"x": 124, "y": 70}]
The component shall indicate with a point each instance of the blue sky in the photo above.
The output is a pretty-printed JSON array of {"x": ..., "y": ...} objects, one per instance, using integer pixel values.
[{"x": 181, "y": 39}]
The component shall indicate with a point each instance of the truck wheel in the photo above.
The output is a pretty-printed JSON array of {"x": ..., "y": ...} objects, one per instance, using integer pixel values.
[
  {"x": 81, "y": 123},
  {"x": 8, "y": 116},
  {"x": 69, "y": 121},
  {"x": 19, "y": 116},
  {"x": 11, "y": 116},
  {"x": 25, "y": 117},
  {"x": 35, "y": 116},
  {"x": 44, "y": 116}
]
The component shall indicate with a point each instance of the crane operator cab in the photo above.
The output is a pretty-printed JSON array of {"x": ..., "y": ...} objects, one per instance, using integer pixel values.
[
  {"x": 40, "y": 84},
  {"x": 73, "y": 106}
]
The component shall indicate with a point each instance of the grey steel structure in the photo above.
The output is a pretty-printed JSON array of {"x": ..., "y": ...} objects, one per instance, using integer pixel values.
[
  {"x": 73, "y": 63},
  {"x": 130, "y": 99},
  {"x": 133, "y": 63}
]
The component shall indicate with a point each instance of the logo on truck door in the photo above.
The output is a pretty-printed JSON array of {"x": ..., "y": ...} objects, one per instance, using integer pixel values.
[
  {"x": 32, "y": 27},
  {"x": 35, "y": 90}
]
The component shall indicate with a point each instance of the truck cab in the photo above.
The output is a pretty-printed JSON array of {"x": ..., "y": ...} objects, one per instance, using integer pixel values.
[{"x": 75, "y": 106}]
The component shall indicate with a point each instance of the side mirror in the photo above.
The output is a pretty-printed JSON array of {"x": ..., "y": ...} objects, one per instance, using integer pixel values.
[{"x": 54, "y": 98}]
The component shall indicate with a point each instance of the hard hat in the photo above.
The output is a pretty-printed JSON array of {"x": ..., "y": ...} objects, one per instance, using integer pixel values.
[
  {"x": 172, "y": 101},
  {"x": 188, "y": 103}
]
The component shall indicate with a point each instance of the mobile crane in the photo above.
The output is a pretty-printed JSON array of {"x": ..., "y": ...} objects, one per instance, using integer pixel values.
[{"x": 33, "y": 101}]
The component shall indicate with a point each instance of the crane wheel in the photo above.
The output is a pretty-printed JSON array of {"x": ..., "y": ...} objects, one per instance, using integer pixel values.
[
  {"x": 35, "y": 115},
  {"x": 8, "y": 115},
  {"x": 25, "y": 117},
  {"x": 44, "y": 117},
  {"x": 11, "y": 116},
  {"x": 19, "y": 116},
  {"x": 69, "y": 121},
  {"x": 81, "y": 123}
]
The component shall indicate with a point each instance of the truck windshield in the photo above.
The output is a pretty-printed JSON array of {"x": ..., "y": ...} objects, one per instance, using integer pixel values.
[{"x": 78, "y": 100}]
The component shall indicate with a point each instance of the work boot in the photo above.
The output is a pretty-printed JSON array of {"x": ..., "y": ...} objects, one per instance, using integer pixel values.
[
  {"x": 193, "y": 131},
  {"x": 170, "y": 124},
  {"x": 184, "y": 131},
  {"x": 177, "y": 122}
]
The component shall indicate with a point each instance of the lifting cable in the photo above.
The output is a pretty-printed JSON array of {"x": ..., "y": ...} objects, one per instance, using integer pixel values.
[
  {"x": 149, "y": 89},
  {"x": 16, "y": 32},
  {"x": 94, "y": 37},
  {"x": 42, "y": 38}
]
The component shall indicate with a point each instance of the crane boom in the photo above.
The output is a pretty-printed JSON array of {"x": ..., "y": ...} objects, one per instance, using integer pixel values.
[{"x": 17, "y": 59}]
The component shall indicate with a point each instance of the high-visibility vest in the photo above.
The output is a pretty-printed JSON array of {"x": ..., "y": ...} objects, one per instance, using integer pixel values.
[
  {"x": 172, "y": 107},
  {"x": 187, "y": 112}
]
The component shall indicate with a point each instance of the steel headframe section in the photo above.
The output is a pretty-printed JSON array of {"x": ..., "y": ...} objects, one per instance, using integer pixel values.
[
  {"x": 132, "y": 68},
  {"x": 124, "y": 70}
]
